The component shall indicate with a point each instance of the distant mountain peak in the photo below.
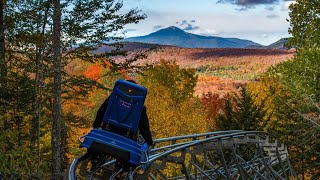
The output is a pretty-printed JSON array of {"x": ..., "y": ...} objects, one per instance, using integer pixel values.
[
  {"x": 175, "y": 36},
  {"x": 172, "y": 30}
]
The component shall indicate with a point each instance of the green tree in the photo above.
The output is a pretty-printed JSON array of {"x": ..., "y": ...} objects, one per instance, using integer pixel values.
[
  {"x": 304, "y": 24},
  {"x": 226, "y": 121},
  {"x": 300, "y": 78},
  {"x": 241, "y": 112},
  {"x": 302, "y": 73}
]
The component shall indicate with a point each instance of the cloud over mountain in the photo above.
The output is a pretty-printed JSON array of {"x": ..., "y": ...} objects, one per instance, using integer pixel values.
[
  {"x": 249, "y": 2},
  {"x": 187, "y": 25},
  {"x": 157, "y": 27}
]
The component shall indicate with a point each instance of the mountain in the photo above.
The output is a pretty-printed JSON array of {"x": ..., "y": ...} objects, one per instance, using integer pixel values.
[
  {"x": 280, "y": 44},
  {"x": 177, "y": 37}
]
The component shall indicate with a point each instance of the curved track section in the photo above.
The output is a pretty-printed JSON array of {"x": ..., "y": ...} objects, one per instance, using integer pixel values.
[{"x": 215, "y": 155}]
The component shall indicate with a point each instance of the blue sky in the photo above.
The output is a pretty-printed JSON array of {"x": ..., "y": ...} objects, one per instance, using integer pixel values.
[{"x": 262, "y": 21}]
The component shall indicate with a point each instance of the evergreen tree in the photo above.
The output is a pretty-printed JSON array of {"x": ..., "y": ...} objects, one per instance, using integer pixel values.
[
  {"x": 241, "y": 112},
  {"x": 226, "y": 121}
]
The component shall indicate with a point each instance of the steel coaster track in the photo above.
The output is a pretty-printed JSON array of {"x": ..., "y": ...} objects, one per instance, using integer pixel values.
[{"x": 230, "y": 154}]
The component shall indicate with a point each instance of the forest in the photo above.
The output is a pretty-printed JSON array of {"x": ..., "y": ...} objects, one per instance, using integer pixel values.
[{"x": 53, "y": 82}]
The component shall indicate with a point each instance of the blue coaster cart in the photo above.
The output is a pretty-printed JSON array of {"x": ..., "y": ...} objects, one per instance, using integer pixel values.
[{"x": 123, "y": 112}]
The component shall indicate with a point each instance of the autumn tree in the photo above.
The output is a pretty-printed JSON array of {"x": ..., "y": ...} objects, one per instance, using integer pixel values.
[
  {"x": 213, "y": 104},
  {"x": 171, "y": 108},
  {"x": 272, "y": 94},
  {"x": 180, "y": 82},
  {"x": 28, "y": 52}
]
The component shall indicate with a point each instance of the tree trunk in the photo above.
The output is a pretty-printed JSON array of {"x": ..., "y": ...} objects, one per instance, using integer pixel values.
[
  {"x": 37, "y": 105},
  {"x": 3, "y": 65},
  {"x": 56, "y": 110}
]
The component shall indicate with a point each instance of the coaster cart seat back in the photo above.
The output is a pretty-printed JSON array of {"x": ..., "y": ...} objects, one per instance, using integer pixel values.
[{"x": 123, "y": 112}]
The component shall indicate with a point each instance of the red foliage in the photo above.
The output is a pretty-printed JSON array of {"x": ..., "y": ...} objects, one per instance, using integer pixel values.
[{"x": 212, "y": 102}]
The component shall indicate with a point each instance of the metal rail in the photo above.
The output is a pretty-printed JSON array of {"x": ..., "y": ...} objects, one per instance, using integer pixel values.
[
  {"x": 1, "y": 176},
  {"x": 231, "y": 154}
]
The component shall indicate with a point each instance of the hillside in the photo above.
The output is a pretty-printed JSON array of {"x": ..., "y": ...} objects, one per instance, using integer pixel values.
[
  {"x": 177, "y": 37},
  {"x": 220, "y": 69},
  {"x": 280, "y": 44},
  {"x": 130, "y": 47}
]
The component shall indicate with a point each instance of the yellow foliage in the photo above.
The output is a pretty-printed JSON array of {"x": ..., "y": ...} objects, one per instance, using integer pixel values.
[
  {"x": 13, "y": 144},
  {"x": 267, "y": 91},
  {"x": 73, "y": 143},
  {"x": 167, "y": 115}
]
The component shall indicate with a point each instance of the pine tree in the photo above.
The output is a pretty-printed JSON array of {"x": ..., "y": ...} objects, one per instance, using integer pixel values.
[
  {"x": 226, "y": 121},
  {"x": 241, "y": 112}
]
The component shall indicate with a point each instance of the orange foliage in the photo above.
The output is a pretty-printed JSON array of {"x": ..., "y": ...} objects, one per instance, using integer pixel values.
[
  {"x": 212, "y": 102},
  {"x": 244, "y": 58},
  {"x": 122, "y": 71},
  {"x": 220, "y": 70},
  {"x": 107, "y": 65},
  {"x": 93, "y": 72},
  {"x": 213, "y": 84}
]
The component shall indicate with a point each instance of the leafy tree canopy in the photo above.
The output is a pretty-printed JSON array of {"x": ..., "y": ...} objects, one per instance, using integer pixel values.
[{"x": 171, "y": 108}]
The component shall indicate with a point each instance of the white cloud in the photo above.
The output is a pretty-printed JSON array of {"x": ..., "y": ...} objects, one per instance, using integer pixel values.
[
  {"x": 187, "y": 25},
  {"x": 205, "y": 31}
]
